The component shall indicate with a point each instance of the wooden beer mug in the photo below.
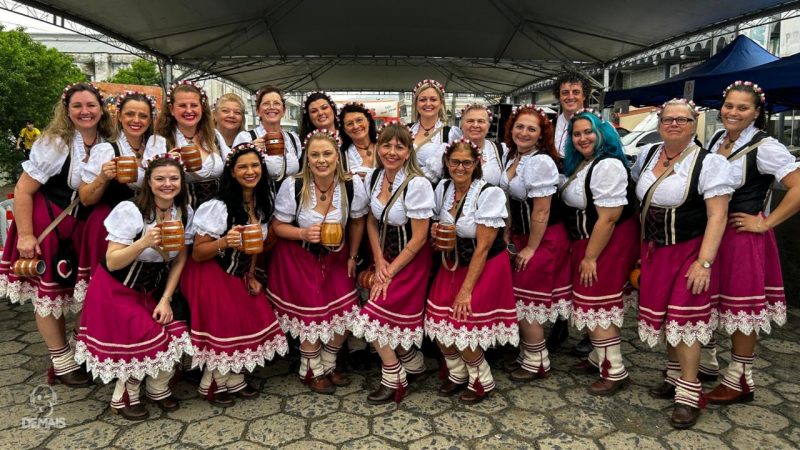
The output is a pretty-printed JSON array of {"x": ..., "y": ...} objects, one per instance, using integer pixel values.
[
  {"x": 192, "y": 158},
  {"x": 127, "y": 169},
  {"x": 331, "y": 234},
  {"x": 366, "y": 279},
  {"x": 273, "y": 141},
  {"x": 252, "y": 240},
  {"x": 32, "y": 267},
  {"x": 445, "y": 240},
  {"x": 172, "y": 235}
]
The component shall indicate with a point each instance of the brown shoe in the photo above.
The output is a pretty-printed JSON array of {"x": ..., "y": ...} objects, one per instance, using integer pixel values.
[
  {"x": 247, "y": 392},
  {"x": 684, "y": 416},
  {"x": 322, "y": 385},
  {"x": 76, "y": 378},
  {"x": 132, "y": 412},
  {"x": 339, "y": 378},
  {"x": 168, "y": 404},
  {"x": 605, "y": 388},
  {"x": 723, "y": 395},
  {"x": 384, "y": 395},
  {"x": 664, "y": 391},
  {"x": 525, "y": 375},
  {"x": 448, "y": 388},
  {"x": 221, "y": 399},
  {"x": 584, "y": 367},
  {"x": 469, "y": 397}
]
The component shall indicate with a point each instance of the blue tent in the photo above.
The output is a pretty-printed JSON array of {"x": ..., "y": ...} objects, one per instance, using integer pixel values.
[{"x": 739, "y": 55}]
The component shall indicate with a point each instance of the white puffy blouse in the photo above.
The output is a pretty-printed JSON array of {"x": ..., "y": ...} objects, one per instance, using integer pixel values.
[
  {"x": 286, "y": 204},
  {"x": 212, "y": 166},
  {"x": 773, "y": 158},
  {"x": 487, "y": 208},
  {"x": 101, "y": 154},
  {"x": 536, "y": 176},
  {"x": 609, "y": 185},
  {"x": 125, "y": 223},
  {"x": 47, "y": 157},
  {"x": 275, "y": 162},
  {"x": 211, "y": 219},
  {"x": 418, "y": 202},
  {"x": 429, "y": 155}
]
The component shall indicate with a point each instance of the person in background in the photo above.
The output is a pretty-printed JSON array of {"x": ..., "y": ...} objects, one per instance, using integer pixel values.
[
  {"x": 475, "y": 122},
  {"x": 430, "y": 130},
  {"x": 229, "y": 117},
  {"x": 319, "y": 113},
  {"x": 27, "y": 136},
  {"x": 359, "y": 135}
]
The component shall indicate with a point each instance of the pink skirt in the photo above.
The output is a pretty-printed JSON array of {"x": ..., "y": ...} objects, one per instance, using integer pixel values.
[
  {"x": 667, "y": 309},
  {"x": 751, "y": 286},
  {"x": 231, "y": 329},
  {"x": 543, "y": 291},
  {"x": 602, "y": 304},
  {"x": 119, "y": 337},
  {"x": 397, "y": 320},
  {"x": 494, "y": 316},
  {"x": 93, "y": 248},
  {"x": 313, "y": 297},
  {"x": 48, "y": 297}
]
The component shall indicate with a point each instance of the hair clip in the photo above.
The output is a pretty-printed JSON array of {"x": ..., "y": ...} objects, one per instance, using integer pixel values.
[
  {"x": 203, "y": 96},
  {"x": 756, "y": 89},
  {"x": 326, "y": 134}
]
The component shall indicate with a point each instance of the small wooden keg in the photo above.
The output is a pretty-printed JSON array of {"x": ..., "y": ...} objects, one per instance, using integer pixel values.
[
  {"x": 331, "y": 234},
  {"x": 252, "y": 241},
  {"x": 127, "y": 169},
  {"x": 172, "y": 235},
  {"x": 24, "y": 267},
  {"x": 192, "y": 158},
  {"x": 366, "y": 279},
  {"x": 445, "y": 237},
  {"x": 273, "y": 141}
]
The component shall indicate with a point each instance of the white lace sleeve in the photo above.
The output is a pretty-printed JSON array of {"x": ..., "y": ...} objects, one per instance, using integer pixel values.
[
  {"x": 360, "y": 206},
  {"x": 47, "y": 156},
  {"x": 491, "y": 211},
  {"x": 156, "y": 145},
  {"x": 211, "y": 219},
  {"x": 124, "y": 223},
  {"x": 774, "y": 159},
  {"x": 609, "y": 183},
  {"x": 285, "y": 202},
  {"x": 541, "y": 176},
  {"x": 715, "y": 177},
  {"x": 419, "y": 201},
  {"x": 101, "y": 154}
]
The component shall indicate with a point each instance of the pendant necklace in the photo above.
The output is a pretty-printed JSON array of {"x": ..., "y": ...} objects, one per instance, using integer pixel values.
[
  {"x": 324, "y": 194},
  {"x": 669, "y": 159},
  {"x": 364, "y": 149},
  {"x": 427, "y": 130}
]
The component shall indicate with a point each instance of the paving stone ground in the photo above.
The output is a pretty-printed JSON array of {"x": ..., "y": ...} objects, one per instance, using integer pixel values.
[{"x": 555, "y": 413}]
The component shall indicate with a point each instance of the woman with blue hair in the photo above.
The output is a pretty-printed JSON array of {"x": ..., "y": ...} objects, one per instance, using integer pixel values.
[{"x": 604, "y": 234}]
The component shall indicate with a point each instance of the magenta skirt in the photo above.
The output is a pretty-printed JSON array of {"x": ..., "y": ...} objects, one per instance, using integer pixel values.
[
  {"x": 119, "y": 337},
  {"x": 231, "y": 329},
  {"x": 397, "y": 320},
  {"x": 602, "y": 304},
  {"x": 93, "y": 248},
  {"x": 48, "y": 297},
  {"x": 751, "y": 285},
  {"x": 543, "y": 291},
  {"x": 313, "y": 297},
  {"x": 494, "y": 314},
  {"x": 667, "y": 309}
]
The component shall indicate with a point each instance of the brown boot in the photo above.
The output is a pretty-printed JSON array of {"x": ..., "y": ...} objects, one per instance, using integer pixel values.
[
  {"x": 382, "y": 395},
  {"x": 605, "y": 388},
  {"x": 132, "y": 412},
  {"x": 525, "y": 375},
  {"x": 339, "y": 378},
  {"x": 664, "y": 391},
  {"x": 168, "y": 404},
  {"x": 684, "y": 416},
  {"x": 76, "y": 378},
  {"x": 322, "y": 385},
  {"x": 449, "y": 388},
  {"x": 247, "y": 392},
  {"x": 469, "y": 397},
  {"x": 585, "y": 367},
  {"x": 723, "y": 395}
]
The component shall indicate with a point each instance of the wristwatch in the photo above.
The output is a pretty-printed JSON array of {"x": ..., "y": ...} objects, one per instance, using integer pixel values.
[{"x": 704, "y": 263}]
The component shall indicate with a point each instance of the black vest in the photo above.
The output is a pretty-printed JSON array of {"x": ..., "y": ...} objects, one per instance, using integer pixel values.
[
  {"x": 465, "y": 247},
  {"x": 116, "y": 192},
  {"x": 319, "y": 249},
  {"x": 57, "y": 190},
  {"x": 396, "y": 237},
  {"x": 580, "y": 222},
  {"x": 669, "y": 226}
]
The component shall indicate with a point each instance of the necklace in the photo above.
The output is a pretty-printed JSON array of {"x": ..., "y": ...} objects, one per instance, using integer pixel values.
[
  {"x": 94, "y": 141},
  {"x": 669, "y": 159},
  {"x": 364, "y": 149},
  {"x": 728, "y": 143},
  {"x": 427, "y": 130},
  {"x": 188, "y": 138},
  {"x": 390, "y": 183},
  {"x": 324, "y": 194}
]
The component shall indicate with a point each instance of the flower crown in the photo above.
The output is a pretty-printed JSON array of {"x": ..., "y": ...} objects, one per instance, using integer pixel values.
[
  {"x": 203, "y": 96},
  {"x": 243, "y": 147},
  {"x": 457, "y": 142},
  {"x": 324, "y": 94},
  {"x": 173, "y": 156},
  {"x": 471, "y": 106},
  {"x": 679, "y": 101},
  {"x": 434, "y": 83},
  {"x": 591, "y": 111},
  {"x": 328, "y": 135},
  {"x": 151, "y": 99},
  {"x": 392, "y": 122},
  {"x": 91, "y": 87},
  {"x": 517, "y": 110},
  {"x": 756, "y": 88}
]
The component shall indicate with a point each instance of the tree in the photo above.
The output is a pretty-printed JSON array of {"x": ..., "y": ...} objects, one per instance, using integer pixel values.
[
  {"x": 141, "y": 72},
  {"x": 32, "y": 78}
]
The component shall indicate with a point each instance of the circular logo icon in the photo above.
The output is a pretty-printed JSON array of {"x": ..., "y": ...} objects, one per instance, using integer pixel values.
[{"x": 43, "y": 400}]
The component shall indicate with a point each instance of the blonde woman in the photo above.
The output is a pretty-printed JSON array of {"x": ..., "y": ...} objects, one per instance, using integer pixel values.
[{"x": 229, "y": 117}]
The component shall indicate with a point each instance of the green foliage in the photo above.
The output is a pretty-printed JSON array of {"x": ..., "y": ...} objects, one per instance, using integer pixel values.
[
  {"x": 140, "y": 72},
  {"x": 32, "y": 77}
]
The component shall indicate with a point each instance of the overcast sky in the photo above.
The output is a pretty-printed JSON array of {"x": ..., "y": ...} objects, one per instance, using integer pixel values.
[{"x": 12, "y": 20}]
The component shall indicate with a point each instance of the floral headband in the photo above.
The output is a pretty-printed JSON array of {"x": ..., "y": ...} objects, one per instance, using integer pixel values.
[
  {"x": 172, "y": 156},
  {"x": 591, "y": 111},
  {"x": 151, "y": 99},
  {"x": 393, "y": 122},
  {"x": 324, "y": 94},
  {"x": 457, "y": 142},
  {"x": 527, "y": 108},
  {"x": 434, "y": 83},
  {"x": 91, "y": 87},
  {"x": 203, "y": 96},
  {"x": 756, "y": 88},
  {"x": 473, "y": 106},
  {"x": 680, "y": 101},
  {"x": 241, "y": 148},
  {"x": 332, "y": 135}
]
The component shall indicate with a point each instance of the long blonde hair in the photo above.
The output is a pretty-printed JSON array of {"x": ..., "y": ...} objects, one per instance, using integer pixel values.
[
  {"x": 61, "y": 126},
  {"x": 308, "y": 177},
  {"x": 400, "y": 132},
  {"x": 231, "y": 97},
  {"x": 421, "y": 86},
  {"x": 166, "y": 123}
]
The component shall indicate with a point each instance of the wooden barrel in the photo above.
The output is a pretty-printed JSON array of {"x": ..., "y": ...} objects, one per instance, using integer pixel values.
[
  {"x": 29, "y": 267},
  {"x": 192, "y": 158},
  {"x": 127, "y": 169},
  {"x": 172, "y": 237},
  {"x": 331, "y": 234},
  {"x": 445, "y": 237},
  {"x": 273, "y": 141},
  {"x": 366, "y": 278},
  {"x": 252, "y": 240}
]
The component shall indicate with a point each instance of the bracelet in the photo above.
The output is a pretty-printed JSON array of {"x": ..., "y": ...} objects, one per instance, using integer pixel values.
[
  {"x": 168, "y": 297},
  {"x": 220, "y": 251}
]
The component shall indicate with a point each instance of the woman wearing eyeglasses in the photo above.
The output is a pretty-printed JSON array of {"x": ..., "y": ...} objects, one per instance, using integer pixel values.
[
  {"x": 684, "y": 192},
  {"x": 359, "y": 134}
]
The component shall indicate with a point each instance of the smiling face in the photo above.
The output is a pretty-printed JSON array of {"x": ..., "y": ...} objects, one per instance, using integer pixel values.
[
  {"x": 672, "y": 132},
  {"x": 229, "y": 115},
  {"x": 583, "y": 137},
  {"x": 165, "y": 182},
  {"x": 571, "y": 97},
  {"x": 247, "y": 170},
  {"x": 461, "y": 165},
  {"x": 84, "y": 111},
  {"x": 322, "y": 157},
  {"x": 393, "y": 154},
  {"x": 356, "y": 125},
  {"x": 428, "y": 104},
  {"x": 738, "y": 111},
  {"x": 187, "y": 109},
  {"x": 321, "y": 114},
  {"x": 135, "y": 118},
  {"x": 271, "y": 109},
  {"x": 475, "y": 124},
  {"x": 526, "y": 132}
]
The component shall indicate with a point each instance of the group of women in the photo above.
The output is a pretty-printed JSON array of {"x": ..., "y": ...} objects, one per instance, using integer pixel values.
[{"x": 473, "y": 243}]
